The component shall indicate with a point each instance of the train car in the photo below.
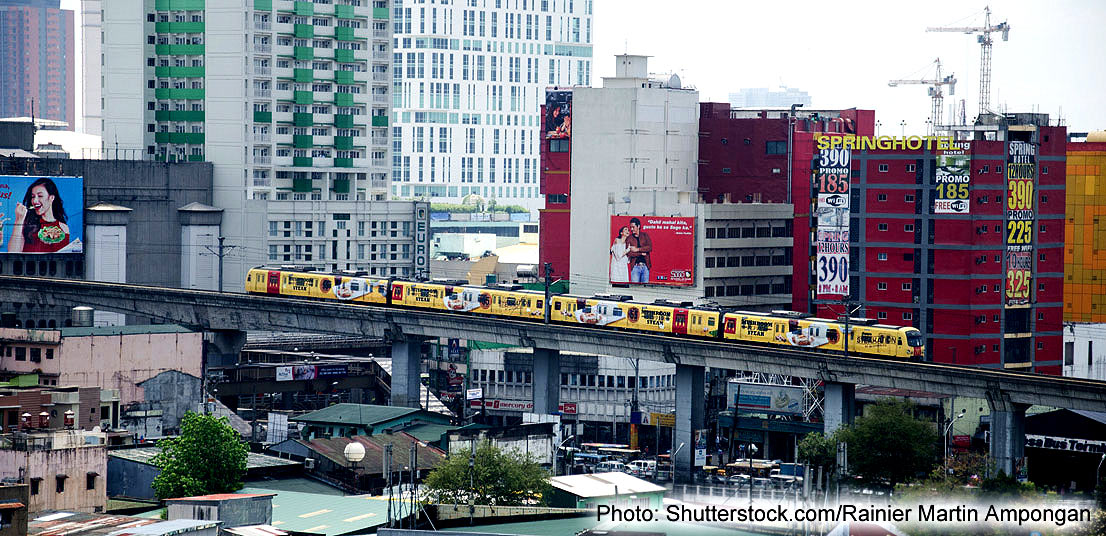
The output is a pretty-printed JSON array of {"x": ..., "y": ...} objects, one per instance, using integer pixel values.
[
  {"x": 458, "y": 296},
  {"x": 786, "y": 328},
  {"x": 298, "y": 282},
  {"x": 618, "y": 311}
]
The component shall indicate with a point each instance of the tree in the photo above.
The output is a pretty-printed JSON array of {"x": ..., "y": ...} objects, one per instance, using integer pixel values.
[
  {"x": 817, "y": 450},
  {"x": 499, "y": 478},
  {"x": 888, "y": 445},
  {"x": 207, "y": 457}
]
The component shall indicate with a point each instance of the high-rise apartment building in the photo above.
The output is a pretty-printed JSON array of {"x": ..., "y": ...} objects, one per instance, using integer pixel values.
[
  {"x": 289, "y": 100},
  {"x": 1084, "y": 235},
  {"x": 36, "y": 59},
  {"x": 469, "y": 80}
]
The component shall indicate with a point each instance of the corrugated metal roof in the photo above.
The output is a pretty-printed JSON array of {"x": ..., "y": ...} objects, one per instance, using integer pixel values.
[
  {"x": 74, "y": 524},
  {"x": 364, "y": 414},
  {"x": 257, "y": 530},
  {"x": 428, "y": 431},
  {"x": 146, "y": 455},
  {"x": 222, "y": 497},
  {"x": 604, "y": 485},
  {"x": 373, "y": 463},
  {"x": 167, "y": 528},
  {"x": 326, "y": 514}
]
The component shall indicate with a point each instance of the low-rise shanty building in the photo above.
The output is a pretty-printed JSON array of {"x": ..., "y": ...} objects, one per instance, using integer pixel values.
[
  {"x": 13, "y": 509},
  {"x": 615, "y": 489},
  {"x": 64, "y": 470},
  {"x": 131, "y": 472},
  {"x": 347, "y": 420},
  {"x": 231, "y": 509}
]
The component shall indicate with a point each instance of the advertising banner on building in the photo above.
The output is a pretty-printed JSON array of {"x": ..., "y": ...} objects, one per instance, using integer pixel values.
[
  {"x": 701, "y": 447},
  {"x": 422, "y": 239},
  {"x": 304, "y": 372},
  {"x": 832, "y": 180},
  {"x": 952, "y": 180},
  {"x": 652, "y": 250},
  {"x": 1021, "y": 195},
  {"x": 332, "y": 371},
  {"x": 284, "y": 374},
  {"x": 41, "y": 214},
  {"x": 558, "y": 114},
  {"x": 765, "y": 398}
]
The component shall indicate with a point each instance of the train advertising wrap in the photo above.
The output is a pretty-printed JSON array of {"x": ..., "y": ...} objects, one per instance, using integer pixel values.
[
  {"x": 1021, "y": 173},
  {"x": 652, "y": 250},
  {"x": 41, "y": 214},
  {"x": 832, "y": 211},
  {"x": 953, "y": 180}
]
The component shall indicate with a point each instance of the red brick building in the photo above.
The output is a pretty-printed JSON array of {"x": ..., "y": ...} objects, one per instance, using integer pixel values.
[{"x": 984, "y": 282}]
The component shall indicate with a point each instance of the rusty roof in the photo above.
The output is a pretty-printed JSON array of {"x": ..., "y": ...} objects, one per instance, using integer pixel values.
[
  {"x": 373, "y": 463},
  {"x": 74, "y": 524}
]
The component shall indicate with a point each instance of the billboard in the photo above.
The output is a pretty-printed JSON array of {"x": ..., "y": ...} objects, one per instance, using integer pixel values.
[
  {"x": 41, "y": 214},
  {"x": 832, "y": 178},
  {"x": 652, "y": 250},
  {"x": 1021, "y": 172},
  {"x": 558, "y": 114},
  {"x": 952, "y": 180},
  {"x": 765, "y": 398}
]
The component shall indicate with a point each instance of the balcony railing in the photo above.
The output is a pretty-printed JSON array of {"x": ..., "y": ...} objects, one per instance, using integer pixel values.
[
  {"x": 262, "y": 70},
  {"x": 259, "y": 25},
  {"x": 259, "y": 92},
  {"x": 262, "y": 47}
]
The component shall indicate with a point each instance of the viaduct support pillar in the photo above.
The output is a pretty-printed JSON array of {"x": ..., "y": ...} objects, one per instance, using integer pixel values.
[
  {"x": 1007, "y": 432},
  {"x": 547, "y": 381},
  {"x": 406, "y": 366},
  {"x": 840, "y": 406},
  {"x": 222, "y": 347},
  {"x": 690, "y": 412}
]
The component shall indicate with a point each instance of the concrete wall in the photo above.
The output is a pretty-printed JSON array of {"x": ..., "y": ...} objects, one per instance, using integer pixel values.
[
  {"x": 1085, "y": 351},
  {"x": 127, "y": 478},
  {"x": 168, "y": 395},
  {"x": 119, "y": 361},
  {"x": 74, "y": 463},
  {"x": 233, "y": 513},
  {"x": 17, "y": 524}
]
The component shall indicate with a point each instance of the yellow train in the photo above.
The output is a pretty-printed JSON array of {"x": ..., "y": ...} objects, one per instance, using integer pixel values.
[{"x": 776, "y": 328}]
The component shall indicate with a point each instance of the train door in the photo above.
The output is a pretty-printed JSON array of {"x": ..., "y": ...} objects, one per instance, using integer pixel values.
[
  {"x": 730, "y": 327},
  {"x": 273, "y": 283},
  {"x": 679, "y": 321}
]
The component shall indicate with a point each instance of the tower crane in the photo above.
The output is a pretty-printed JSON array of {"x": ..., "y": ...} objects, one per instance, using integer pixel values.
[
  {"x": 984, "y": 38},
  {"x": 935, "y": 91}
]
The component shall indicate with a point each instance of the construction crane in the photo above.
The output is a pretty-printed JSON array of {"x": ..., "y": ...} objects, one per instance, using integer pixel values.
[
  {"x": 935, "y": 91},
  {"x": 984, "y": 39}
]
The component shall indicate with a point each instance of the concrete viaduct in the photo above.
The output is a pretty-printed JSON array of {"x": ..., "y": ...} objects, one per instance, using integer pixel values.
[{"x": 230, "y": 315}]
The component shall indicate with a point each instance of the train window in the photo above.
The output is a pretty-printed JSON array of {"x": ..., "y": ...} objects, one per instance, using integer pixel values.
[
  {"x": 541, "y": 304},
  {"x": 557, "y": 305},
  {"x": 511, "y": 302},
  {"x": 710, "y": 322}
]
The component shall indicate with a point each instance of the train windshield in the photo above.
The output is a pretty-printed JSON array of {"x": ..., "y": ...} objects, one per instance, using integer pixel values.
[{"x": 914, "y": 338}]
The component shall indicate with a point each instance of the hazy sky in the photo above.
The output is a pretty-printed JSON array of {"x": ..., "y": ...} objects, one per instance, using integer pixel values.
[{"x": 843, "y": 53}]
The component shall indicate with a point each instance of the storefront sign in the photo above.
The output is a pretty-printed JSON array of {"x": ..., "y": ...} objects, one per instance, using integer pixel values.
[{"x": 1087, "y": 446}]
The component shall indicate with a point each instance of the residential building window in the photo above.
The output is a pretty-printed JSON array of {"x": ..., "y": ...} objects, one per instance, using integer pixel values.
[
  {"x": 909, "y": 198},
  {"x": 881, "y": 286},
  {"x": 909, "y": 228},
  {"x": 882, "y": 256},
  {"x": 775, "y": 147},
  {"x": 882, "y": 315},
  {"x": 908, "y": 316},
  {"x": 558, "y": 146},
  {"x": 61, "y": 483},
  {"x": 90, "y": 481},
  {"x": 911, "y": 168},
  {"x": 882, "y": 227},
  {"x": 881, "y": 197},
  {"x": 883, "y": 168},
  {"x": 907, "y": 286}
]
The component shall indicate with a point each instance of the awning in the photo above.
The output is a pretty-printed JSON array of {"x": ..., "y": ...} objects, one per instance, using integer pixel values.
[
  {"x": 62, "y": 475},
  {"x": 11, "y": 505}
]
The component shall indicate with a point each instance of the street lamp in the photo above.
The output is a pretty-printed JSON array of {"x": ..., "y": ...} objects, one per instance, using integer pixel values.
[
  {"x": 1097, "y": 472},
  {"x": 946, "y": 438},
  {"x": 878, "y": 123},
  {"x": 752, "y": 450},
  {"x": 561, "y": 447},
  {"x": 903, "y": 125}
]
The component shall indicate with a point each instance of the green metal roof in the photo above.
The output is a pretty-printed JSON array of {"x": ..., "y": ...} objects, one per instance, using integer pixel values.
[
  {"x": 123, "y": 330},
  {"x": 325, "y": 514},
  {"x": 428, "y": 432},
  {"x": 364, "y": 414}
]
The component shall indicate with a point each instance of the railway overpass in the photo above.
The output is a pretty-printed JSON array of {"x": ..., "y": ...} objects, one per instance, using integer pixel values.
[{"x": 230, "y": 315}]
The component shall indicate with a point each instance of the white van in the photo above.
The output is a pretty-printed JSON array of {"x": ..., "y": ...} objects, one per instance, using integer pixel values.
[
  {"x": 642, "y": 468},
  {"x": 610, "y": 467}
]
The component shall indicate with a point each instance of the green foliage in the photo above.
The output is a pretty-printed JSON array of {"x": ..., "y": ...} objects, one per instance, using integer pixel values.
[
  {"x": 499, "y": 478},
  {"x": 1096, "y": 527},
  {"x": 888, "y": 445},
  {"x": 817, "y": 450},
  {"x": 965, "y": 474},
  {"x": 1004, "y": 485},
  {"x": 207, "y": 457}
]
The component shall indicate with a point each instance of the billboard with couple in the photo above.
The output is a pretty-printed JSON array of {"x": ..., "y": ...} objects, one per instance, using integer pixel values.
[{"x": 652, "y": 250}]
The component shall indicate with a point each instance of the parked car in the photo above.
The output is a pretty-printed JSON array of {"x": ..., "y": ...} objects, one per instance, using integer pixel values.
[
  {"x": 642, "y": 468},
  {"x": 610, "y": 467}
]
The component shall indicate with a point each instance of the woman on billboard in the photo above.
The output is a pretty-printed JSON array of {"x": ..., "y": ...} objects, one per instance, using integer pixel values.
[
  {"x": 620, "y": 261},
  {"x": 40, "y": 220}
]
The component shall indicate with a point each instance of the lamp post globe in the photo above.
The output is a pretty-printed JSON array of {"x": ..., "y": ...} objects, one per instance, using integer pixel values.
[{"x": 354, "y": 452}]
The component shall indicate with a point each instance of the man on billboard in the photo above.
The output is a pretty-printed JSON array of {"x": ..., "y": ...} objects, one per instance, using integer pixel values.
[
  {"x": 40, "y": 220},
  {"x": 640, "y": 247}
]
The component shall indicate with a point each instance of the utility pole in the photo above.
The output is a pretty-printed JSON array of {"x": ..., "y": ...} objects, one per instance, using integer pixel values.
[
  {"x": 846, "y": 303},
  {"x": 221, "y": 252},
  {"x": 548, "y": 269}
]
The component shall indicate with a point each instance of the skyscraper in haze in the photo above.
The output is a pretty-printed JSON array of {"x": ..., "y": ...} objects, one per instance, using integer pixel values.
[
  {"x": 36, "y": 60},
  {"x": 760, "y": 97}
]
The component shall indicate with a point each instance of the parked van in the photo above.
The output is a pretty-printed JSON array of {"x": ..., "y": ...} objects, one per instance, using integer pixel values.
[
  {"x": 610, "y": 466},
  {"x": 642, "y": 468}
]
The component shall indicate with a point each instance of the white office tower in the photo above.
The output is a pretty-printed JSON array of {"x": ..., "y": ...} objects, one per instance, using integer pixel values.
[
  {"x": 289, "y": 100},
  {"x": 470, "y": 77}
]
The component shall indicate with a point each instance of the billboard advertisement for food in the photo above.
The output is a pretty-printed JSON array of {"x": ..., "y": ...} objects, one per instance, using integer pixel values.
[
  {"x": 41, "y": 214},
  {"x": 765, "y": 398},
  {"x": 652, "y": 250},
  {"x": 558, "y": 114}
]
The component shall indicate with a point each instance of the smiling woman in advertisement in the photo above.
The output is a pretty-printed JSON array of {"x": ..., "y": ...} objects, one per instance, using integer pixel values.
[{"x": 40, "y": 220}]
